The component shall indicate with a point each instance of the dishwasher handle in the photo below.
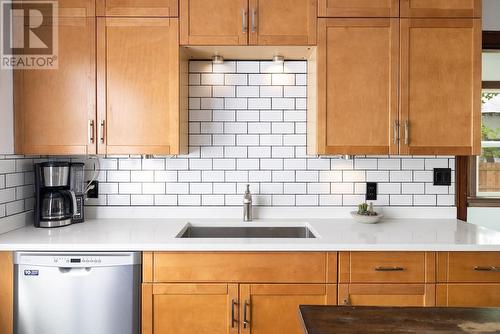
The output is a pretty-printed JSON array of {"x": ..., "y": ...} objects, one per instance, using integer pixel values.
[{"x": 75, "y": 271}]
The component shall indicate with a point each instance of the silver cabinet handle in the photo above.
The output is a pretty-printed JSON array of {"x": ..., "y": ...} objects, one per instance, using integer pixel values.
[
  {"x": 91, "y": 131},
  {"x": 233, "y": 320},
  {"x": 101, "y": 131},
  {"x": 246, "y": 323},
  {"x": 491, "y": 268},
  {"x": 407, "y": 132},
  {"x": 254, "y": 26},
  {"x": 396, "y": 132},
  {"x": 389, "y": 269},
  {"x": 244, "y": 20}
]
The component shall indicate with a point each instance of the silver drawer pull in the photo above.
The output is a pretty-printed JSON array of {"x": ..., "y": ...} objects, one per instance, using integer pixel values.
[
  {"x": 389, "y": 269},
  {"x": 233, "y": 320},
  {"x": 491, "y": 268}
]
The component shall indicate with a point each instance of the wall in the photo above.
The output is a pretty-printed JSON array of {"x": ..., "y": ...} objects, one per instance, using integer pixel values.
[
  {"x": 6, "y": 113},
  {"x": 247, "y": 124},
  {"x": 16, "y": 191},
  {"x": 491, "y": 15}
]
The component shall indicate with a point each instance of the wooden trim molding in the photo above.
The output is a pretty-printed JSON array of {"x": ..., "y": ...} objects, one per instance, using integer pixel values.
[
  {"x": 461, "y": 186},
  {"x": 491, "y": 40}
]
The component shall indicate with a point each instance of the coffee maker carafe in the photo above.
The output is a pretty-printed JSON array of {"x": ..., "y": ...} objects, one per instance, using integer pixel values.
[{"x": 56, "y": 203}]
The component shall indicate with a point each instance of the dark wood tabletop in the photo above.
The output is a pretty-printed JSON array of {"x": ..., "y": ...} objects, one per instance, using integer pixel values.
[{"x": 407, "y": 320}]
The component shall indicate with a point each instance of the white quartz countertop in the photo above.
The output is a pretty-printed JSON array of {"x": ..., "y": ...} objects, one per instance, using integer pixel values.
[{"x": 332, "y": 235}]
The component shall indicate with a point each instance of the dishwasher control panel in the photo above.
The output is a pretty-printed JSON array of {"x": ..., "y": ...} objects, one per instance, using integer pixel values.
[{"x": 77, "y": 260}]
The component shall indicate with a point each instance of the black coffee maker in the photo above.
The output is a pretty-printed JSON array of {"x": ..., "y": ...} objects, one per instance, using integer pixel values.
[{"x": 56, "y": 203}]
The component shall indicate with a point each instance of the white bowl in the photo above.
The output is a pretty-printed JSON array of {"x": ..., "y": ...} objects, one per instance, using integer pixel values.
[{"x": 366, "y": 219}]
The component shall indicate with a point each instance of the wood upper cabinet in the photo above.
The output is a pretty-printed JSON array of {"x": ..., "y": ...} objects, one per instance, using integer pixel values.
[
  {"x": 214, "y": 22},
  {"x": 54, "y": 109},
  {"x": 274, "y": 308},
  {"x": 357, "y": 87},
  {"x": 358, "y": 8},
  {"x": 190, "y": 308},
  {"x": 278, "y": 22},
  {"x": 387, "y": 294},
  {"x": 440, "y": 86},
  {"x": 441, "y": 8},
  {"x": 139, "y": 8},
  {"x": 138, "y": 86}
]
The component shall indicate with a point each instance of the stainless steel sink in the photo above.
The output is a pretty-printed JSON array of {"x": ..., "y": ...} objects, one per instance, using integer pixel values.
[{"x": 281, "y": 232}]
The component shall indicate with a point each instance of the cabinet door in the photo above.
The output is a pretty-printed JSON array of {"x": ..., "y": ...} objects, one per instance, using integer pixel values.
[
  {"x": 468, "y": 295},
  {"x": 278, "y": 22},
  {"x": 138, "y": 86},
  {"x": 149, "y": 8},
  {"x": 358, "y": 8},
  {"x": 189, "y": 308},
  {"x": 54, "y": 109},
  {"x": 274, "y": 308},
  {"x": 441, "y": 8},
  {"x": 387, "y": 294},
  {"x": 6, "y": 292},
  {"x": 357, "y": 88},
  {"x": 440, "y": 86},
  {"x": 214, "y": 22}
]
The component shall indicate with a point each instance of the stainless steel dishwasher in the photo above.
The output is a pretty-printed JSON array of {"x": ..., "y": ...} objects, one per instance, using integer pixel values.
[{"x": 77, "y": 293}]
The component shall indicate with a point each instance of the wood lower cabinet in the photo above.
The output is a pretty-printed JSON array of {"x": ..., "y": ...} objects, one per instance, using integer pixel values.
[
  {"x": 358, "y": 8},
  {"x": 441, "y": 8},
  {"x": 275, "y": 22},
  {"x": 190, "y": 308},
  {"x": 214, "y": 22},
  {"x": 6, "y": 293},
  {"x": 54, "y": 109},
  {"x": 468, "y": 295},
  {"x": 357, "y": 88},
  {"x": 273, "y": 308},
  {"x": 139, "y": 8},
  {"x": 138, "y": 86},
  {"x": 387, "y": 294},
  {"x": 438, "y": 115}
]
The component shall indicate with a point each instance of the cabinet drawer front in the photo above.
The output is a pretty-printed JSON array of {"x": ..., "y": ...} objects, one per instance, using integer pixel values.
[
  {"x": 283, "y": 267},
  {"x": 469, "y": 267},
  {"x": 386, "y": 267},
  {"x": 358, "y": 8},
  {"x": 387, "y": 294},
  {"x": 138, "y": 8},
  {"x": 468, "y": 295},
  {"x": 441, "y": 8}
]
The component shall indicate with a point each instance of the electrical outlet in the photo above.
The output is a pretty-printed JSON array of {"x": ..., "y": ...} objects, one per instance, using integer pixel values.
[
  {"x": 442, "y": 176},
  {"x": 93, "y": 189},
  {"x": 371, "y": 191}
]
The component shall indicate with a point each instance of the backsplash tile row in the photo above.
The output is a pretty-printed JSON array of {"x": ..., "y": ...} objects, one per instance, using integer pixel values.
[
  {"x": 247, "y": 124},
  {"x": 16, "y": 184}
]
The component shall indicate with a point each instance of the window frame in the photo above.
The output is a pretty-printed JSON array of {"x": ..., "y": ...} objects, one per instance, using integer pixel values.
[{"x": 466, "y": 176}]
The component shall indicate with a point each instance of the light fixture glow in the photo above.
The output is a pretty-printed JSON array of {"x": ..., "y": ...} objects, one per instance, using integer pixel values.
[
  {"x": 278, "y": 59},
  {"x": 217, "y": 59}
]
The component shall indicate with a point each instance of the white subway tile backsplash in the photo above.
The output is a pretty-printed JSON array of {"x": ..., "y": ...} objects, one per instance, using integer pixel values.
[
  {"x": 247, "y": 67},
  {"x": 142, "y": 200},
  {"x": 189, "y": 200},
  {"x": 236, "y": 79},
  {"x": 294, "y": 188},
  {"x": 141, "y": 176},
  {"x": 210, "y": 79},
  {"x": 118, "y": 200},
  {"x": 271, "y": 67},
  {"x": 247, "y": 124},
  {"x": 283, "y": 79},
  {"x": 271, "y": 91},
  {"x": 224, "y": 91},
  {"x": 212, "y": 176},
  {"x": 259, "y": 80},
  {"x": 247, "y": 91}
]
